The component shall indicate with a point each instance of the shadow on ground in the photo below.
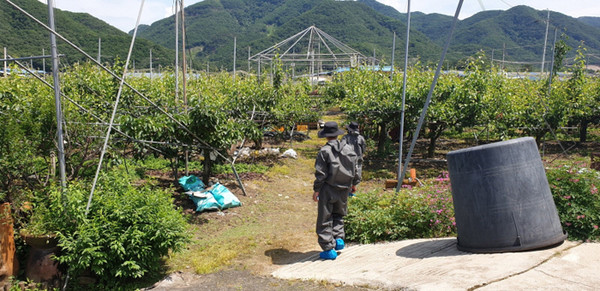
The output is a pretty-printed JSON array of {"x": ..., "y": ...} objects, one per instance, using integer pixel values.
[
  {"x": 283, "y": 256},
  {"x": 433, "y": 248}
]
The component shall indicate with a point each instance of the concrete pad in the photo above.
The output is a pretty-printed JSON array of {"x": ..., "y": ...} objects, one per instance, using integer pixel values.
[
  {"x": 577, "y": 268},
  {"x": 433, "y": 264}
]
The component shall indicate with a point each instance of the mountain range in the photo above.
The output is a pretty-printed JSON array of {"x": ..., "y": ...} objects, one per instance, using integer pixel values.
[
  {"x": 22, "y": 37},
  {"x": 516, "y": 35}
]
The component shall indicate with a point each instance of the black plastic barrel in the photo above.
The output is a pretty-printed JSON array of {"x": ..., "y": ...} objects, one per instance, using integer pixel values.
[{"x": 502, "y": 200}]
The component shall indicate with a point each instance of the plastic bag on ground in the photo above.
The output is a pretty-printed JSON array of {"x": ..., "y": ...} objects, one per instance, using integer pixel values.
[
  {"x": 224, "y": 197},
  {"x": 204, "y": 204},
  {"x": 217, "y": 197},
  {"x": 191, "y": 183},
  {"x": 291, "y": 153}
]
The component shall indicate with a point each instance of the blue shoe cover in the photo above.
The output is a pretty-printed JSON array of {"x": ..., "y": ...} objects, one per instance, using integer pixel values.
[
  {"x": 328, "y": 255},
  {"x": 339, "y": 244}
]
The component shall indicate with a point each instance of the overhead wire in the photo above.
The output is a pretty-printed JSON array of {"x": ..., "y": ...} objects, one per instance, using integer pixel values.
[
  {"x": 430, "y": 94},
  {"x": 77, "y": 104},
  {"x": 114, "y": 112}
]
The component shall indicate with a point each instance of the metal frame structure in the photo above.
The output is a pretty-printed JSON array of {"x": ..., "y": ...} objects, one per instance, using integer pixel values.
[{"x": 312, "y": 49}]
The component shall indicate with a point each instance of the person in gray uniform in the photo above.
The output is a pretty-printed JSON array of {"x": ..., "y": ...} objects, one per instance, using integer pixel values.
[
  {"x": 354, "y": 138},
  {"x": 336, "y": 174}
]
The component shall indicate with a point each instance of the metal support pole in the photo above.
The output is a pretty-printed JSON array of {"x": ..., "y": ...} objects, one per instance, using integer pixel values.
[
  {"x": 394, "y": 52},
  {"x": 373, "y": 58},
  {"x": 184, "y": 56},
  {"x": 176, "y": 52},
  {"x": 99, "y": 50},
  {"x": 150, "y": 65},
  {"x": 234, "y": 55},
  {"x": 5, "y": 65},
  {"x": 401, "y": 138},
  {"x": 430, "y": 94},
  {"x": 545, "y": 42},
  {"x": 185, "y": 103},
  {"x": 58, "y": 106},
  {"x": 43, "y": 61},
  {"x": 503, "y": 54}
]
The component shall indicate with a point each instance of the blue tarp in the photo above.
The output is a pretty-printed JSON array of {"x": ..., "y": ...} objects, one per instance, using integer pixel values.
[
  {"x": 217, "y": 197},
  {"x": 191, "y": 183}
]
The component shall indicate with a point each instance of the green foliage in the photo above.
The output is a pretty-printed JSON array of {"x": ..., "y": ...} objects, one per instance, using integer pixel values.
[
  {"x": 575, "y": 193},
  {"x": 412, "y": 213},
  {"x": 125, "y": 234},
  {"x": 27, "y": 129}
]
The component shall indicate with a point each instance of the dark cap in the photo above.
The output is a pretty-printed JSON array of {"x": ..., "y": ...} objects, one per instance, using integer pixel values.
[
  {"x": 352, "y": 126},
  {"x": 330, "y": 130}
]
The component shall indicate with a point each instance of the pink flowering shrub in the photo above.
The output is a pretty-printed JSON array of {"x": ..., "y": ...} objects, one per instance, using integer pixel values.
[
  {"x": 575, "y": 193},
  {"x": 420, "y": 212}
]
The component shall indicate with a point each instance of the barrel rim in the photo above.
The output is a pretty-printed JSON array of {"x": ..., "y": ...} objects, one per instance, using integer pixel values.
[{"x": 491, "y": 145}]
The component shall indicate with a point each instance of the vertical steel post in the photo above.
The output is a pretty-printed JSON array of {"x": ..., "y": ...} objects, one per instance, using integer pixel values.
[
  {"x": 5, "y": 65},
  {"x": 401, "y": 138},
  {"x": 176, "y": 52},
  {"x": 59, "y": 129},
  {"x": 393, "y": 53},
  {"x": 234, "y": 55},
  {"x": 184, "y": 56},
  {"x": 99, "y": 50},
  {"x": 185, "y": 103},
  {"x": 503, "y": 54},
  {"x": 150, "y": 65}
]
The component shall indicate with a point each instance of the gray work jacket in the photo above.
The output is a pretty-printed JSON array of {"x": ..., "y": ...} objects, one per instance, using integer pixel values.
[{"x": 322, "y": 168}]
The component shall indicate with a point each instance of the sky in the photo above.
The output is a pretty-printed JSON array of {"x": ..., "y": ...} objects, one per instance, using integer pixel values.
[{"x": 123, "y": 13}]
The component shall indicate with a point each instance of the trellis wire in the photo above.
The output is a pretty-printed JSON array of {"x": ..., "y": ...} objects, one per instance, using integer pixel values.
[
  {"x": 437, "y": 74},
  {"x": 80, "y": 106},
  {"x": 182, "y": 126},
  {"x": 112, "y": 117}
]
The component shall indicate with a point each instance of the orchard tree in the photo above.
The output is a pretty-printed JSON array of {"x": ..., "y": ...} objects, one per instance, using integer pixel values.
[
  {"x": 27, "y": 135},
  {"x": 582, "y": 102},
  {"x": 372, "y": 99}
]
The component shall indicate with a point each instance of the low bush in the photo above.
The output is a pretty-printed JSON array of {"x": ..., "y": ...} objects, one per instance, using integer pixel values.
[
  {"x": 420, "y": 212},
  {"x": 125, "y": 235},
  {"x": 575, "y": 193}
]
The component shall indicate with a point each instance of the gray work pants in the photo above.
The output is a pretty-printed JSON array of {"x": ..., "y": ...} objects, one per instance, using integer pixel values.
[{"x": 333, "y": 206}]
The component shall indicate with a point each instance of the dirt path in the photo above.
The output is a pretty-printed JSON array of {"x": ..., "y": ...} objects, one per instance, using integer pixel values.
[{"x": 239, "y": 248}]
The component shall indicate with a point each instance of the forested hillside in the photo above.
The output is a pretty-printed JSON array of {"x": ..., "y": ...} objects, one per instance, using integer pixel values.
[
  {"x": 517, "y": 34},
  {"x": 212, "y": 25},
  {"x": 23, "y": 37}
]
